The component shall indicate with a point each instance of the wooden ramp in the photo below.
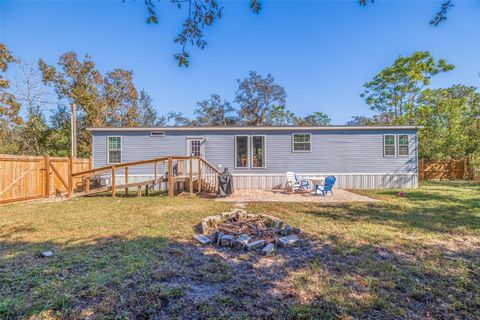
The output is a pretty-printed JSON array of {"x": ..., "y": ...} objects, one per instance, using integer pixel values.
[{"x": 195, "y": 174}]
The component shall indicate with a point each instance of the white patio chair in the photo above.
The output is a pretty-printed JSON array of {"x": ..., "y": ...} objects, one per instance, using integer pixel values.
[{"x": 292, "y": 183}]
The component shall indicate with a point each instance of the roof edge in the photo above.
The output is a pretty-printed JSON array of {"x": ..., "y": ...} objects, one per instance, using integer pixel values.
[{"x": 325, "y": 128}]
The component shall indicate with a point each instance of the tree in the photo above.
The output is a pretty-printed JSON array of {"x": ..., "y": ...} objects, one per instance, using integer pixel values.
[
  {"x": 178, "y": 119},
  {"x": 441, "y": 15},
  {"x": 214, "y": 112},
  {"x": 148, "y": 116},
  {"x": 9, "y": 106},
  {"x": 31, "y": 92},
  {"x": 57, "y": 142},
  {"x": 34, "y": 133},
  {"x": 120, "y": 99},
  {"x": 280, "y": 116},
  {"x": 257, "y": 96},
  {"x": 361, "y": 121},
  {"x": 393, "y": 92},
  {"x": 200, "y": 14},
  {"x": 315, "y": 119},
  {"x": 451, "y": 122},
  {"x": 110, "y": 100}
]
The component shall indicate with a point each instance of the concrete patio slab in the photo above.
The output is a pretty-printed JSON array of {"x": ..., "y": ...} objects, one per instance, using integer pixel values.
[{"x": 258, "y": 195}]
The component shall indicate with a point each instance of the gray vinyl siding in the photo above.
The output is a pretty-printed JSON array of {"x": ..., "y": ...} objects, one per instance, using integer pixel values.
[{"x": 332, "y": 151}]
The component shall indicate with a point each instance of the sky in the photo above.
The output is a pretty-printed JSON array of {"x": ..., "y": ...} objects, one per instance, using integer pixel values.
[{"x": 321, "y": 52}]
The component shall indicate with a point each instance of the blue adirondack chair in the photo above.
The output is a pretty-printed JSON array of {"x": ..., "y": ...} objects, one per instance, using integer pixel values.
[{"x": 328, "y": 186}]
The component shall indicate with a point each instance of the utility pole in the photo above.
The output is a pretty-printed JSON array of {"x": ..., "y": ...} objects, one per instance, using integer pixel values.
[{"x": 73, "y": 128}]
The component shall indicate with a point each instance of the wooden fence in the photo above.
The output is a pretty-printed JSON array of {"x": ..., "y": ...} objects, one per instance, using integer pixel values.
[
  {"x": 445, "y": 169},
  {"x": 25, "y": 178}
]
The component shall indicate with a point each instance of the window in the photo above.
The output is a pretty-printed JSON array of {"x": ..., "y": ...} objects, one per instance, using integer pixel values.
[
  {"x": 195, "y": 148},
  {"x": 258, "y": 151},
  {"x": 301, "y": 142},
  {"x": 241, "y": 151},
  {"x": 403, "y": 145},
  {"x": 114, "y": 149},
  {"x": 389, "y": 145},
  {"x": 157, "y": 133}
]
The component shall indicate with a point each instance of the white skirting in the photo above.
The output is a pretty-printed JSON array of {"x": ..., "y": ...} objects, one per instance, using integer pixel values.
[
  {"x": 276, "y": 181},
  {"x": 344, "y": 181}
]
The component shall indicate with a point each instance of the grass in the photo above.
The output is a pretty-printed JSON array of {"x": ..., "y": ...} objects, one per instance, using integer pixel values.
[{"x": 413, "y": 257}]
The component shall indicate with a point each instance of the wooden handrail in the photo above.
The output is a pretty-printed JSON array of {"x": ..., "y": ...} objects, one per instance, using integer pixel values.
[
  {"x": 210, "y": 165},
  {"x": 127, "y": 164}
]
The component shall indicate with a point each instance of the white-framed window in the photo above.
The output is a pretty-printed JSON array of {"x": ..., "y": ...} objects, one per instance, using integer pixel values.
[
  {"x": 403, "y": 149},
  {"x": 241, "y": 151},
  {"x": 301, "y": 142},
  {"x": 389, "y": 145},
  {"x": 114, "y": 152},
  {"x": 258, "y": 151}
]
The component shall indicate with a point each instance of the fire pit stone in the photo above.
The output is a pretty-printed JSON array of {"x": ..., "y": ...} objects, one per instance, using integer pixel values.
[
  {"x": 227, "y": 240},
  {"x": 255, "y": 244},
  {"x": 287, "y": 241},
  {"x": 268, "y": 249},
  {"x": 242, "y": 241}
]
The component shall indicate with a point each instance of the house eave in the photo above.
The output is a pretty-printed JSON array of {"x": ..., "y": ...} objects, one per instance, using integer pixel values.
[{"x": 254, "y": 128}]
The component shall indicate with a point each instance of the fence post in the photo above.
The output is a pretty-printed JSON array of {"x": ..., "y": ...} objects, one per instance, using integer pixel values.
[
  {"x": 87, "y": 179},
  {"x": 113, "y": 181},
  {"x": 170, "y": 177},
  {"x": 70, "y": 177},
  {"x": 47, "y": 176},
  {"x": 190, "y": 187},
  {"x": 465, "y": 173},
  {"x": 421, "y": 170},
  {"x": 451, "y": 166}
]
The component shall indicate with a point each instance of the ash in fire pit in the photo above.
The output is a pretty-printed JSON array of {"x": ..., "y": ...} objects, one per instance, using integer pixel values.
[{"x": 247, "y": 231}]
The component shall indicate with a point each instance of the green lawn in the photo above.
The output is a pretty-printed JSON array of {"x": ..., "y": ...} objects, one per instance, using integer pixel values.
[{"x": 123, "y": 258}]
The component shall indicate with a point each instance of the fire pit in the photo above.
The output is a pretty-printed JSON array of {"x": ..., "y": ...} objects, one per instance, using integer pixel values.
[{"x": 247, "y": 231}]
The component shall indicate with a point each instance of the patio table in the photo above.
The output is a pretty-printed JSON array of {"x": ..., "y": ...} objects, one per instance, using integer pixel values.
[{"x": 314, "y": 181}]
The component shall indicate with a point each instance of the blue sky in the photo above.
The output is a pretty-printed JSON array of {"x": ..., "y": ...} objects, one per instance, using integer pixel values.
[{"x": 322, "y": 52}]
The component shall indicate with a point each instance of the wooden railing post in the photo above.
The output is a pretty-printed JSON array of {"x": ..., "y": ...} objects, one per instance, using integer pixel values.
[
  {"x": 47, "y": 176},
  {"x": 170, "y": 177},
  {"x": 70, "y": 177},
  {"x": 113, "y": 181},
  {"x": 155, "y": 165},
  {"x": 126, "y": 180},
  {"x": 190, "y": 187},
  {"x": 199, "y": 174}
]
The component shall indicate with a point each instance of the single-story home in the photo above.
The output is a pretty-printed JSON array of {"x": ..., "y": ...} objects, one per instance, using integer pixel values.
[{"x": 361, "y": 157}]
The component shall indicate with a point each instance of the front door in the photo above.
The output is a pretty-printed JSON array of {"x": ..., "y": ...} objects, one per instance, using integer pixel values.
[{"x": 195, "y": 148}]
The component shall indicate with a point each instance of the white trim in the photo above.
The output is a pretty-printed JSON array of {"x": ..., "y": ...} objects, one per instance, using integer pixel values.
[
  {"x": 259, "y": 128},
  {"x": 293, "y": 143},
  {"x": 394, "y": 145},
  {"x": 264, "y": 151},
  {"x": 108, "y": 149},
  {"x": 248, "y": 151},
  {"x": 398, "y": 146},
  {"x": 284, "y": 174}
]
